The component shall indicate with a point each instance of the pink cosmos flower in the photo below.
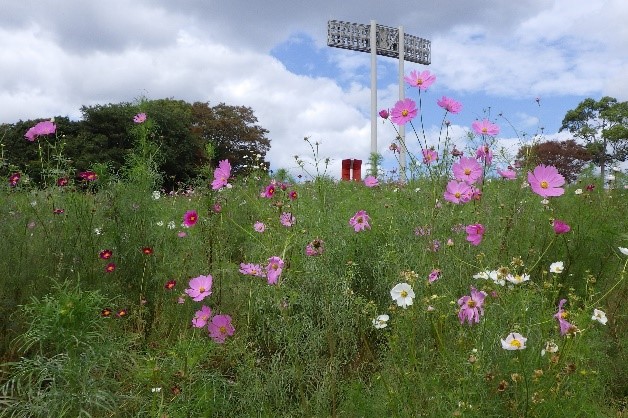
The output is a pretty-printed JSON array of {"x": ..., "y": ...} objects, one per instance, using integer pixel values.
[
  {"x": 62, "y": 181},
  {"x": 190, "y": 218},
  {"x": 221, "y": 175},
  {"x": 14, "y": 179},
  {"x": 42, "y": 128},
  {"x": 274, "y": 269},
  {"x": 360, "y": 221},
  {"x": 259, "y": 227},
  {"x": 471, "y": 306},
  {"x": 467, "y": 169},
  {"x": 384, "y": 113},
  {"x": 201, "y": 317},
  {"x": 139, "y": 118},
  {"x": 293, "y": 195},
  {"x": 485, "y": 127},
  {"x": 315, "y": 248},
  {"x": 404, "y": 111},
  {"x": 458, "y": 192},
  {"x": 429, "y": 156},
  {"x": 450, "y": 105},
  {"x": 200, "y": 287},
  {"x": 485, "y": 154},
  {"x": 507, "y": 174},
  {"x": 220, "y": 328},
  {"x": 269, "y": 192},
  {"x": 475, "y": 233},
  {"x": 420, "y": 79},
  {"x": 434, "y": 275},
  {"x": 560, "y": 227},
  {"x": 287, "y": 219},
  {"x": 370, "y": 181},
  {"x": 546, "y": 181},
  {"x": 251, "y": 269},
  {"x": 565, "y": 327},
  {"x": 88, "y": 176}
]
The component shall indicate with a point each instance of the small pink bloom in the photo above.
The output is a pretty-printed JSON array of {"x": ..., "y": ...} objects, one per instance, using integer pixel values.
[
  {"x": 287, "y": 219},
  {"x": 360, "y": 221},
  {"x": 560, "y": 227},
  {"x": 42, "y": 128},
  {"x": 471, "y": 306},
  {"x": 404, "y": 111},
  {"x": 62, "y": 181},
  {"x": 429, "y": 156},
  {"x": 88, "y": 175},
  {"x": 139, "y": 118},
  {"x": 434, "y": 275},
  {"x": 14, "y": 179},
  {"x": 546, "y": 181},
  {"x": 293, "y": 195},
  {"x": 201, "y": 317},
  {"x": 507, "y": 174},
  {"x": 182, "y": 234},
  {"x": 190, "y": 218},
  {"x": 221, "y": 175},
  {"x": 274, "y": 269},
  {"x": 259, "y": 227},
  {"x": 200, "y": 287},
  {"x": 269, "y": 192},
  {"x": 220, "y": 328},
  {"x": 384, "y": 113},
  {"x": 370, "y": 181},
  {"x": 458, "y": 192},
  {"x": 217, "y": 208},
  {"x": 450, "y": 105},
  {"x": 485, "y": 127},
  {"x": 420, "y": 79},
  {"x": 485, "y": 154},
  {"x": 467, "y": 169},
  {"x": 251, "y": 269},
  {"x": 475, "y": 233},
  {"x": 315, "y": 248}
]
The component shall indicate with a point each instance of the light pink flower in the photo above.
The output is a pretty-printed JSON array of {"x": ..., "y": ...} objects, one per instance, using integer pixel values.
[
  {"x": 434, "y": 275},
  {"x": 139, "y": 118},
  {"x": 507, "y": 174},
  {"x": 315, "y": 248},
  {"x": 190, "y": 218},
  {"x": 485, "y": 127},
  {"x": 467, "y": 169},
  {"x": 360, "y": 221},
  {"x": 560, "y": 227},
  {"x": 546, "y": 181},
  {"x": 485, "y": 154},
  {"x": 450, "y": 105},
  {"x": 565, "y": 327},
  {"x": 404, "y": 111},
  {"x": 221, "y": 175},
  {"x": 370, "y": 181},
  {"x": 201, "y": 317},
  {"x": 471, "y": 306},
  {"x": 274, "y": 269},
  {"x": 429, "y": 156},
  {"x": 287, "y": 219},
  {"x": 45, "y": 127},
  {"x": 200, "y": 287},
  {"x": 475, "y": 233},
  {"x": 458, "y": 192},
  {"x": 250, "y": 269},
  {"x": 220, "y": 328},
  {"x": 259, "y": 226},
  {"x": 420, "y": 79}
]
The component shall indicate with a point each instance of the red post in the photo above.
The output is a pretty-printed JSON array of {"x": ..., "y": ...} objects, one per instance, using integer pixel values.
[
  {"x": 346, "y": 170},
  {"x": 357, "y": 170}
]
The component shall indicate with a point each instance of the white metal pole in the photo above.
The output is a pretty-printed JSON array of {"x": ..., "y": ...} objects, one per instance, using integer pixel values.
[
  {"x": 402, "y": 95},
  {"x": 373, "y": 41}
]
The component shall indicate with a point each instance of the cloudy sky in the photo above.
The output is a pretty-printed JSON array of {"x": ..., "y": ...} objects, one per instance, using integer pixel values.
[{"x": 496, "y": 57}]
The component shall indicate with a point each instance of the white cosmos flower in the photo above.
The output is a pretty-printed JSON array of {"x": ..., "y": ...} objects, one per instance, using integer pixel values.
[
  {"x": 514, "y": 341},
  {"x": 403, "y": 294},
  {"x": 381, "y": 321},
  {"x": 599, "y": 316},
  {"x": 623, "y": 250},
  {"x": 578, "y": 191},
  {"x": 550, "y": 347},
  {"x": 557, "y": 267},
  {"x": 517, "y": 279}
]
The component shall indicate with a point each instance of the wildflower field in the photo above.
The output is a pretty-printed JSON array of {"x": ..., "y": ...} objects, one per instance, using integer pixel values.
[{"x": 456, "y": 293}]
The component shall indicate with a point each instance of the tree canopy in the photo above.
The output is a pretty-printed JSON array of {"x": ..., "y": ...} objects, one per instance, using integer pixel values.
[{"x": 568, "y": 157}]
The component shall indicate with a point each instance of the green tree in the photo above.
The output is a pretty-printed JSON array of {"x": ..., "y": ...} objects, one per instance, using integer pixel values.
[{"x": 603, "y": 125}]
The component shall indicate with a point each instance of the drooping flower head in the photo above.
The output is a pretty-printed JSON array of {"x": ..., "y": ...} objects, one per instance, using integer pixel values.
[
  {"x": 201, "y": 317},
  {"x": 371, "y": 181},
  {"x": 467, "y": 169},
  {"x": 485, "y": 127},
  {"x": 458, "y": 192},
  {"x": 404, "y": 111},
  {"x": 42, "y": 128},
  {"x": 315, "y": 248},
  {"x": 560, "y": 227},
  {"x": 403, "y": 294},
  {"x": 484, "y": 153},
  {"x": 420, "y": 79},
  {"x": 514, "y": 341},
  {"x": 360, "y": 221},
  {"x": 274, "y": 269},
  {"x": 471, "y": 306},
  {"x": 561, "y": 315},
  {"x": 450, "y": 105},
  {"x": 429, "y": 156},
  {"x": 384, "y": 113},
  {"x": 475, "y": 233},
  {"x": 221, "y": 175},
  {"x": 546, "y": 181},
  {"x": 200, "y": 287},
  {"x": 220, "y": 328},
  {"x": 507, "y": 174},
  {"x": 139, "y": 118},
  {"x": 190, "y": 218}
]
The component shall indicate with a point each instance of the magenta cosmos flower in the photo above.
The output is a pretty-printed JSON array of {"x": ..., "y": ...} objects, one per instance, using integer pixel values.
[
  {"x": 200, "y": 288},
  {"x": 475, "y": 233},
  {"x": 471, "y": 306},
  {"x": 221, "y": 175},
  {"x": 14, "y": 179},
  {"x": 190, "y": 218},
  {"x": 42, "y": 128},
  {"x": 420, "y": 79},
  {"x": 384, "y": 113},
  {"x": 139, "y": 118},
  {"x": 467, "y": 169},
  {"x": 360, "y": 221},
  {"x": 274, "y": 269},
  {"x": 404, "y": 111},
  {"x": 565, "y": 327},
  {"x": 458, "y": 192},
  {"x": 450, "y": 105},
  {"x": 201, "y": 317},
  {"x": 371, "y": 181},
  {"x": 485, "y": 127},
  {"x": 560, "y": 227},
  {"x": 88, "y": 176},
  {"x": 220, "y": 328},
  {"x": 269, "y": 192},
  {"x": 429, "y": 156},
  {"x": 546, "y": 181}
]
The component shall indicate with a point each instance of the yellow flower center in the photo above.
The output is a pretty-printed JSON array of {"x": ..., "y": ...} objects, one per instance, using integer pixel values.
[
  {"x": 223, "y": 329},
  {"x": 484, "y": 130},
  {"x": 404, "y": 293},
  {"x": 457, "y": 194},
  {"x": 419, "y": 82},
  {"x": 544, "y": 184},
  {"x": 471, "y": 303},
  {"x": 404, "y": 112},
  {"x": 201, "y": 289},
  {"x": 467, "y": 171},
  {"x": 515, "y": 343}
]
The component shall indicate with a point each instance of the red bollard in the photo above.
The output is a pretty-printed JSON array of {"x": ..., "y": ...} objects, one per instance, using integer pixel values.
[
  {"x": 346, "y": 170},
  {"x": 357, "y": 170}
]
